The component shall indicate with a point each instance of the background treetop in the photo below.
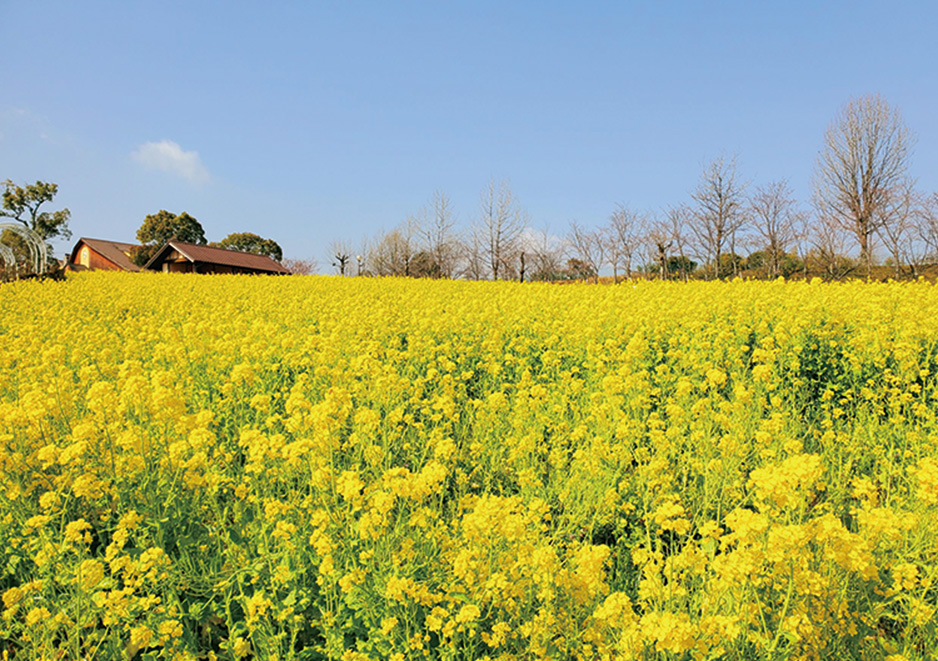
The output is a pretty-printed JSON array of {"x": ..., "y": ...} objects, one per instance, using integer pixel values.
[
  {"x": 862, "y": 171},
  {"x": 22, "y": 203},
  {"x": 160, "y": 227},
  {"x": 252, "y": 243}
]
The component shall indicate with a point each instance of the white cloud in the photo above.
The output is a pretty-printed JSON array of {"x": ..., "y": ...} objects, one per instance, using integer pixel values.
[{"x": 167, "y": 156}]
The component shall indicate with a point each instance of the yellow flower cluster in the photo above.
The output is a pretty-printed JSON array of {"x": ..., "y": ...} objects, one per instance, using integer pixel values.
[{"x": 227, "y": 467}]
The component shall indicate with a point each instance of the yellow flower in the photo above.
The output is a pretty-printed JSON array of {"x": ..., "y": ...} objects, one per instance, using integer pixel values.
[
  {"x": 76, "y": 532},
  {"x": 90, "y": 574},
  {"x": 140, "y": 637},
  {"x": 716, "y": 378},
  {"x": 498, "y": 636},
  {"x": 48, "y": 500},
  {"x": 396, "y": 588},
  {"x": 926, "y": 474},
  {"x": 436, "y": 618},
  {"x": 12, "y": 597},
  {"x": 349, "y": 486},
  {"x": 468, "y": 613},
  {"x": 168, "y": 630},
  {"x": 670, "y": 632},
  {"x": 905, "y": 576},
  {"x": 789, "y": 482},
  {"x": 670, "y": 516},
  {"x": 239, "y": 647},
  {"x": 257, "y": 605},
  {"x": 387, "y": 624},
  {"x": 710, "y": 529},
  {"x": 589, "y": 562},
  {"x": 37, "y": 615}
]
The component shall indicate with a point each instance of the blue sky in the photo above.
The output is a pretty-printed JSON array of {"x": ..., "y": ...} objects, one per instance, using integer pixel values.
[{"x": 312, "y": 121}]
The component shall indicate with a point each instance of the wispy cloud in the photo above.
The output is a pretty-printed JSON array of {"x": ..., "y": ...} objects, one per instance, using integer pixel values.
[
  {"x": 167, "y": 156},
  {"x": 25, "y": 124}
]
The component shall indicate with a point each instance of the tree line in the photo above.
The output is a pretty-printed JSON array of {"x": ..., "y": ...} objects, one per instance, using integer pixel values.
[
  {"x": 23, "y": 205},
  {"x": 863, "y": 199},
  {"x": 160, "y": 227}
]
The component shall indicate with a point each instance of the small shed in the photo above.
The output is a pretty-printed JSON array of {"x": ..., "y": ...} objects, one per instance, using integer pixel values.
[
  {"x": 179, "y": 257},
  {"x": 101, "y": 255}
]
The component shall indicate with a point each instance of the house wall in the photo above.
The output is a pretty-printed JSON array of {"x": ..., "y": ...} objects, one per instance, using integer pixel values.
[
  {"x": 177, "y": 267},
  {"x": 182, "y": 265},
  {"x": 95, "y": 261},
  {"x": 207, "y": 267},
  {"x": 218, "y": 268}
]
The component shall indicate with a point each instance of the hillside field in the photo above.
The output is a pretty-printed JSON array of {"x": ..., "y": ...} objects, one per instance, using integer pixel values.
[{"x": 236, "y": 467}]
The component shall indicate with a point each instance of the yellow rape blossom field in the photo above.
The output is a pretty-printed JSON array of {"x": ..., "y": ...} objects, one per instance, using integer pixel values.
[{"x": 231, "y": 467}]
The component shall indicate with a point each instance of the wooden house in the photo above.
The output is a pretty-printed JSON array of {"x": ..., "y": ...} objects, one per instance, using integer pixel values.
[
  {"x": 179, "y": 257},
  {"x": 100, "y": 255}
]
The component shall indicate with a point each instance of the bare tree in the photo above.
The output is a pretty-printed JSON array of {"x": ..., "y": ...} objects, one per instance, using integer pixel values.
[
  {"x": 926, "y": 218},
  {"x": 864, "y": 161},
  {"x": 472, "y": 261},
  {"x": 802, "y": 239},
  {"x": 543, "y": 254},
  {"x": 393, "y": 253},
  {"x": 623, "y": 238},
  {"x": 776, "y": 219},
  {"x": 362, "y": 267},
  {"x": 720, "y": 211},
  {"x": 614, "y": 255},
  {"x": 500, "y": 226},
  {"x": 437, "y": 232},
  {"x": 341, "y": 254},
  {"x": 898, "y": 229},
  {"x": 678, "y": 226},
  {"x": 301, "y": 266},
  {"x": 659, "y": 240},
  {"x": 828, "y": 243},
  {"x": 588, "y": 246}
]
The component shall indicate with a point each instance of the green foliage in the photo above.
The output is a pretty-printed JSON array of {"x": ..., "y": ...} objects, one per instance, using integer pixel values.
[
  {"x": 22, "y": 203},
  {"x": 789, "y": 265},
  {"x": 160, "y": 227},
  {"x": 576, "y": 269},
  {"x": 140, "y": 255},
  {"x": 730, "y": 264},
  {"x": 678, "y": 265},
  {"x": 252, "y": 243},
  {"x": 756, "y": 260},
  {"x": 423, "y": 265}
]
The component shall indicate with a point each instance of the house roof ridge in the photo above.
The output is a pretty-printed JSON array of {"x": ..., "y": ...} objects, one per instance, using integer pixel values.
[{"x": 195, "y": 252}]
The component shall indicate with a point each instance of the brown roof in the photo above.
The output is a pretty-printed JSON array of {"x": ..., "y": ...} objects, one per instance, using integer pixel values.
[
  {"x": 210, "y": 255},
  {"x": 114, "y": 251}
]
